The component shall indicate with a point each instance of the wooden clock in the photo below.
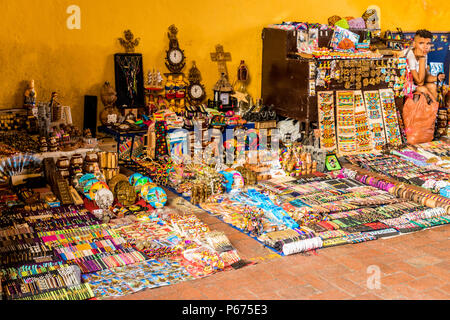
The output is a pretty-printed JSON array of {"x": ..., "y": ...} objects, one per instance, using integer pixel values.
[
  {"x": 175, "y": 58},
  {"x": 196, "y": 91}
]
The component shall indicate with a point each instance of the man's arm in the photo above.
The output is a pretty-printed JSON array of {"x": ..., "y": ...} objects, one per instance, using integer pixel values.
[{"x": 420, "y": 77}]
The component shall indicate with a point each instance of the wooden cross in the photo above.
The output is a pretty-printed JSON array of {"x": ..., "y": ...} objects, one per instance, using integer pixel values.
[{"x": 221, "y": 58}]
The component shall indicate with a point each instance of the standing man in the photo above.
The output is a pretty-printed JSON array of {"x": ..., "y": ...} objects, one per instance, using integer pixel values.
[{"x": 416, "y": 57}]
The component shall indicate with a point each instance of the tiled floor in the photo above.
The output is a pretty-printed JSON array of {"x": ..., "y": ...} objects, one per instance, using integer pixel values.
[{"x": 412, "y": 266}]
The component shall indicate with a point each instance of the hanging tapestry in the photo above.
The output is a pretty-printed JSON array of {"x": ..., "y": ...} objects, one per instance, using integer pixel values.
[
  {"x": 364, "y": 138},
  {"x": 390, "y": 117},
  {"x": 374, "y": 114},
  {"x": 325, "y": 103},
  {"x": 345, "y": 123}
]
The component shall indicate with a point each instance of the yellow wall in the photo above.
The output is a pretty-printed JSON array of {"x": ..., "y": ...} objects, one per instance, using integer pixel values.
[{"x": 36, "y": 44}]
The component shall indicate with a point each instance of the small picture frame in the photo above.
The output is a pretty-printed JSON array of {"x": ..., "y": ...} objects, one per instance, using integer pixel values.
[
  {"x": 332, "y": 163},
  {"x": 302, "y": 41},
  {"x": 134, "y": 112}
]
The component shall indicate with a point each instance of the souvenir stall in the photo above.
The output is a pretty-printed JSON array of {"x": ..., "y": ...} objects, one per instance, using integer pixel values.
[
  {"x": 320, "y": 159},
  {"x": 317, "y": 72}
]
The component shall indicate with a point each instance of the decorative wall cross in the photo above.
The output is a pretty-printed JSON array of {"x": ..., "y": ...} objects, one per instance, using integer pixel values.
[{"x": 221, "y": 58}]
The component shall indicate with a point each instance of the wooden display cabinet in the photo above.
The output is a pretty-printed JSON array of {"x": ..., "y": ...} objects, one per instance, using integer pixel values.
[{"x": 285, "y": 75}]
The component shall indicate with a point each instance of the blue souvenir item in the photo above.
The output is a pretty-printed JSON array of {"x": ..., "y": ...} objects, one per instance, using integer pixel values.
[
  {"x": 134, "y": 177},
  {"x": 156, "y": 197}
]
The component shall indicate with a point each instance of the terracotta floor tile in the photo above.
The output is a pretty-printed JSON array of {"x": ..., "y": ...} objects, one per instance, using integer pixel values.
[
  {"x": 396, "y": 278},
  {"x": 436, "y": 251},
  {"x": 261, "y": 287},
  {"x": 425, "y": 283},
  {"x": 445, "y": 288},
  {"x": 406, "y": 291},
  {"x": 366, "y": 296},
  {"x": 391, "y": 258},
  {"x": 444, "y": 264},
  {"x": 359, "y": 276},
  {"x": 318, "y": 283},
  {"x": 408, "y": 268},
  {"x": 191, "y": 294},
  {"x": 349, "y": 287},
  {"x": 268, "y": 296},
  {"x": 386, "y": 293},
  {"x": 240, "y": 294},
  {"x": 332, "y": 271},
  {"x": 334, "y": 294},
  {"x": 413, "y": 294},
  {"x": 351, "y": 263},
  {"x": 296, "y": 293},
  {"x": 422, "y": 261},
  {"x": 386, "y": 269},
  {"x": 435, "y": 294}
]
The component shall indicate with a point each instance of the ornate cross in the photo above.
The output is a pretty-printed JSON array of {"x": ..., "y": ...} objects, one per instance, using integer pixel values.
[{"x": 221, "y": 58}]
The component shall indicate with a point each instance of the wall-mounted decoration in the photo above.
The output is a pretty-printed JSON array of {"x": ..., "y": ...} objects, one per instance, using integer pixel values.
[{"x": 129, "y": 80}]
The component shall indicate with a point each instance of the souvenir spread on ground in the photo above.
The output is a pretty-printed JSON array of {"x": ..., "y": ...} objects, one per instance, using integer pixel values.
[
  {"x": 53, "y": 246},
  {"x": 80, "y": 221}
]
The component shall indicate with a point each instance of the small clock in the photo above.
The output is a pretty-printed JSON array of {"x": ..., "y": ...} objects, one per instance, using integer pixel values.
[
  {"x": 175, "y": 56},
  {"x": 196, "y": 92}
]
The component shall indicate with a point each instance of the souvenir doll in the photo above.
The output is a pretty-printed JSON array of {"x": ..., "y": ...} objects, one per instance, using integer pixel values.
[
  {"x": 170, "y": 88},
  {"x": 30, "y": 96}
]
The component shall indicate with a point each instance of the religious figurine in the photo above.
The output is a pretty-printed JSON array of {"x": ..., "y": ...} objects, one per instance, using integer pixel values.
[
  {"x": 243, "y": 77},
  {"x": 108, "y": 95},
  {"x": 129, "y": 43},
  {"x": 172, "y": 34},
  {"x": 110, "y": 115},
  {"x": 30, "y": 96}
]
